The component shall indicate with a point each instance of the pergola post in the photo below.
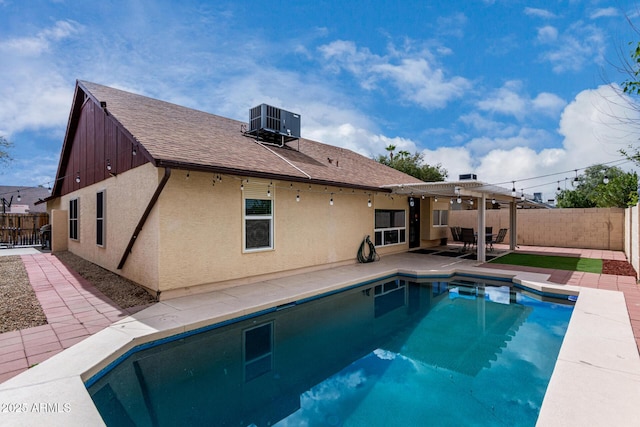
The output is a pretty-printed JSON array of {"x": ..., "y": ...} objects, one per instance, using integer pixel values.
[
  {"x": 482, "y": 235},
  {"x": 513, "y": 234}
]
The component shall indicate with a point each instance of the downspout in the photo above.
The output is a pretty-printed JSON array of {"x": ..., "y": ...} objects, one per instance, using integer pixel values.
[{"x": 145, "y": 215}]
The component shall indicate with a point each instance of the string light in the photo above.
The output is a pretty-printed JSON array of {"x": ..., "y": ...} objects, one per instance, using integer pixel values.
[
  {"x": 78, "y": 177},
  {"x": 522, "y": 194},
  {"x": 108, "y": 164},
  {"x": 19, "y": 197},
  {"x": 513, "y": 189},
  {"x": 298, "y": 196},
  {"x": 331, "y": 200}
]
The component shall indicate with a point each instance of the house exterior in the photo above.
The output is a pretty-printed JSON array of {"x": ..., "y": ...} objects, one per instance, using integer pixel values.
[{"x": 182, "y": 201}]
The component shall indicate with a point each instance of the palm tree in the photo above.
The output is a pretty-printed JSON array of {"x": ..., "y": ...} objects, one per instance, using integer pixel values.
[{"x": 390, "y": 148}]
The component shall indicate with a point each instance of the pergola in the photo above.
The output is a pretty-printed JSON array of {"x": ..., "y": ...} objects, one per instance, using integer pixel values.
[{"x": 477, "y": 190}]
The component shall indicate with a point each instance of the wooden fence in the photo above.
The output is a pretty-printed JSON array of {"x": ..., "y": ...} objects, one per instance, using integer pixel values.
[{"x": 22, "y": 229}]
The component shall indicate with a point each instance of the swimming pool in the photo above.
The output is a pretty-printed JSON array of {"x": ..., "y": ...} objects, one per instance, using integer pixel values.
[{"x": 399, "y": 351}]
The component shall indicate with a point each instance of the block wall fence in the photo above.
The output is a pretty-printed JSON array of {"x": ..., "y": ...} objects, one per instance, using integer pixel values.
[{"x": 595, "y": 228}]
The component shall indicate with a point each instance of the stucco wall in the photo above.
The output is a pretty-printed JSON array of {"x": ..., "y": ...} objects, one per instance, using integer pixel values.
[
  {"x": 127, "y": 196},
  {"x": 201, "y": 226},
  {"x": 598, "y": 228},
  {"x": 59, "y": 230}
]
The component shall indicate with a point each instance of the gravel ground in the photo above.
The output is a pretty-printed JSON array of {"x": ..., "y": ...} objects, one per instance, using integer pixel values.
[
  {"x": 20, "y": 309},
  {"x": 123, "y": 292}
]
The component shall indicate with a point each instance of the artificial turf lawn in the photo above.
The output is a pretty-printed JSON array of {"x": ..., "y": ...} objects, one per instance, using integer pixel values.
[{"x": 588, "y": 265}]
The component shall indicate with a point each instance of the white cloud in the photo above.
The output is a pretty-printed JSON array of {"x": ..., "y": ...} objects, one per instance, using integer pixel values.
[
  {"x": 34, "y": 92},
  {"x": 539, "y": 13},
  {"x": 548, "y": 103},
  {"x": 594, "y": 126},
  {"x": 607, "y": 12},
  {"x": 547, "y": 34},
  {"x": 573, "y": 49},
  {"x": 452, "y": 25},
  {"x": 508, "y": 100},
  {"x": 416, "y": 75},
  {"x": 41, "y": 42}
]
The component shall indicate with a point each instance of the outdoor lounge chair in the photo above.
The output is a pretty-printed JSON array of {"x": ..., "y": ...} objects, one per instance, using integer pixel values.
[
  {"x": 468, "y": 237},
  {"x": 499, "y": 238},
  {"x": 455, "y": 234}
]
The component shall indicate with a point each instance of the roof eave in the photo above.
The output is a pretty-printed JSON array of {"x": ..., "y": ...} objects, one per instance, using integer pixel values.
[{"x": 265, "y": 175}]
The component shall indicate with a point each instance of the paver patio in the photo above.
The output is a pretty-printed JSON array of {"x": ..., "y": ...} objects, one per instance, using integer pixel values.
[{"x": 74, "y": 308}]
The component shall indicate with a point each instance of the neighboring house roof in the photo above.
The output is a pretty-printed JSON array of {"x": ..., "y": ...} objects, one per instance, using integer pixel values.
[
  {"x": 180, "y": 137},
  {"x": 28, "y": 198}
]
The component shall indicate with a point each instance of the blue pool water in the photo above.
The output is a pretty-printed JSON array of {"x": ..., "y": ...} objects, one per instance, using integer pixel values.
[{"x": 395, "y": 352}]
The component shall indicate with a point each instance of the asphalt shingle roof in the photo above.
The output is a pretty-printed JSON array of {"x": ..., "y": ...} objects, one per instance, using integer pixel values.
[{"x": 183, "y": 137}]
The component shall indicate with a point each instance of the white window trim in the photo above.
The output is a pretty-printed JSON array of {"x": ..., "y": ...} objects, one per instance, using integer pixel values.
[
  {"x": 398, "y": 229},
  {"x": 440, "y": 224},
  {"x": 103, "y": 218},
  {"x": 75, "y": 219},
  {"x": 258, "y": 190}
]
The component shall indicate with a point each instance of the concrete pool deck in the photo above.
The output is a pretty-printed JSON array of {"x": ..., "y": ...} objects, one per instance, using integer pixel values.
[{"x": 596, "y": 380}]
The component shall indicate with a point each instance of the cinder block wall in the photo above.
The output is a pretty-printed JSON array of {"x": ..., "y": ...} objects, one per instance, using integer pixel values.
[{"x": 597, "y": 228}]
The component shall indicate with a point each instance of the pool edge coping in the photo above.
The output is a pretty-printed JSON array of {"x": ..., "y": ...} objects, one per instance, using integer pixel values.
[{"x": 57, "y": 379}]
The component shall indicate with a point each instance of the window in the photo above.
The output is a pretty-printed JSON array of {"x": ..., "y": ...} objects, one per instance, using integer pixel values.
[
  {"x": 388, "y": 297},
  {"x": 73, "y": 219},
  {"x": 390, "y": 227},
  {"x": 258, "y": 351},
  {"x": 440, "y": 218},
  {"x": 258, "y": 216},
  {"x": 100, "y": 225}
]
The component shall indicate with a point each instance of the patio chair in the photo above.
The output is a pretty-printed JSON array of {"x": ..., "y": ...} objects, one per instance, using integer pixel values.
[
  {"x": 468, "y": 237},
  {"x": 499, "y": 238},
  {"x": 455, "y": 234}
]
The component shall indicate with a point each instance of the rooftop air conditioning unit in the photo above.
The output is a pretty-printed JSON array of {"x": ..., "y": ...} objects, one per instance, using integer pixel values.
[
  {"x": 468, "y": 176},
  {"x": 273, "y": 125}
]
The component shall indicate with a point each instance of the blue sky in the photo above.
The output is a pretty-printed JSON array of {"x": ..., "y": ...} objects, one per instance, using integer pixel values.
[{"x": 505, "y": 89}]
